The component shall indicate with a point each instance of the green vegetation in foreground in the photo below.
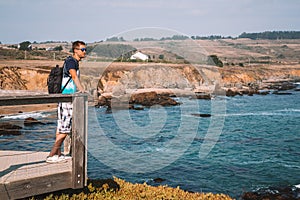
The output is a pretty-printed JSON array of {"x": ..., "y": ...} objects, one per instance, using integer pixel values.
[{"x": 120, "y": 189}]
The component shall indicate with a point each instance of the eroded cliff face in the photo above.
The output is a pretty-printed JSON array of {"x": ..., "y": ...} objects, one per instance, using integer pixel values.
[
  {"x": 259, "y": 75},
  {"x": 33, "y": 79},
  {"x": 121, "y": 78},
  {"x": 160, "y": 76},
  {"x": 200, "y": 79},
  {"x": 17, "y": 78}
]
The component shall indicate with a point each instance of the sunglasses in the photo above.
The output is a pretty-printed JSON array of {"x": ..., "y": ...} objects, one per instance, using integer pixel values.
[{"x": 82, "y": 49}]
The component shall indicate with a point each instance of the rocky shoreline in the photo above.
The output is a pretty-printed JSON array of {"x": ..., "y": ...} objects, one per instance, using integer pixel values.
[
  {"x": 164, "y": 97},
  {"x": 193, "y": 81}
]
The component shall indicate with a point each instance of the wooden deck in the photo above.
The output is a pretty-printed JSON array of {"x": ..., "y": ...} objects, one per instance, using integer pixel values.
[{"x": 26, "y": 173}]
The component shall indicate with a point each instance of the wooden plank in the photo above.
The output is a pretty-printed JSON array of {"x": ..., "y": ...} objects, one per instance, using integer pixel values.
[
  {"x": 38, "y": 185},
  {"x": 33, "y": 179},
  {"x": 3, "y": 193},
  {"x": 37, "y": 99},
  {"x": 30, "y": 171},
  {"x": 10, "y": 158},
  {"x": 79, "y": 127}
]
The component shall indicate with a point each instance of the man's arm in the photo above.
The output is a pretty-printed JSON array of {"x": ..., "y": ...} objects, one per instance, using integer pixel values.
[{"x": 76, "y": 80}]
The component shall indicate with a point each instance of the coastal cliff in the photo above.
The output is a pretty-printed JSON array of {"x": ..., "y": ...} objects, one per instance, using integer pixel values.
[
  {"x": 188, "y": 79},
  {"x": 124, "y": 78}
]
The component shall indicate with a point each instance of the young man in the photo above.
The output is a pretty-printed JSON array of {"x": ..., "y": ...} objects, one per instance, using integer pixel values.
[{"x": 65, "y": 110}]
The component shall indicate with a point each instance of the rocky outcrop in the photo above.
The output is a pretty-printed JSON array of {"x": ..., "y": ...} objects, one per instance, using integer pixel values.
[
  {"x": 9, "y": 129},
  {"x": 159, "y": 76},
  {"x": 202, "y": 80},
  {"x": 17, "y": 78},
  {"x": 29, "y": 121},
  {"x": 152, "y": 98},
  {"x": 179, "y": 80},
  {"x": 142, "y": 98},
  {"x": 259, "y": 79}
]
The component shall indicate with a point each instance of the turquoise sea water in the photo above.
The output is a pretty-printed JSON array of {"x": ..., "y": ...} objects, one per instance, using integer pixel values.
[{"x": 257, "y": 146}]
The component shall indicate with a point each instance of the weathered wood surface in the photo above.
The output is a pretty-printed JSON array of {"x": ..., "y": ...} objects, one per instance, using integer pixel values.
[
  {"x": 9, "y": 158},
  {"x": 26, "y": 173},
  {"x": 79, "y": 138},
  {"x": 36, "y": 99}
]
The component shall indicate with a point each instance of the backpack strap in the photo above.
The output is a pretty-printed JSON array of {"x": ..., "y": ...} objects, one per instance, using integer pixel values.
[
  {"x": 63, "y": 76},
  {"x": 66, "y": 84}
]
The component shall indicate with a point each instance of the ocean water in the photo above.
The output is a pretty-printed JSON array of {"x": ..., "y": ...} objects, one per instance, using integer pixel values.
[{"x": 248, "y": 143}]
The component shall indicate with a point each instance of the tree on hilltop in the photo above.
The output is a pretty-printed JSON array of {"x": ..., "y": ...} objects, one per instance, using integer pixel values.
[{"x": 25, "y": 46}]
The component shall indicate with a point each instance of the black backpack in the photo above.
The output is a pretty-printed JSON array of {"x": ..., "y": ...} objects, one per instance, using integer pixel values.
[{"x": 54, "y": 80}]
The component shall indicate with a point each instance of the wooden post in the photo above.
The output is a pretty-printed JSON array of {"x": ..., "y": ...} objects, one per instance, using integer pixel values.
[{"x": 79, "y": 141}]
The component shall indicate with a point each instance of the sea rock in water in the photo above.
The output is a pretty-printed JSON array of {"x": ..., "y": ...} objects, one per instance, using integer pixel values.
[
  {"x": 201, "y": 115},
  {"x": 203, "y": 96},
  {"x": 104, "y": 101},
  {"x": 9, "y": 129},
  {"x": 263, "y": 92},
  {"x": 282, "y": 93},
  {"x": 136, "y": 108},
  {"x": 285, "y": 193},
  {"x": 29, "y": 121},
  {"x": 158, "y": 180},
  {"x": 233, "y": 92},
  {"x": 152, "y": 98}
]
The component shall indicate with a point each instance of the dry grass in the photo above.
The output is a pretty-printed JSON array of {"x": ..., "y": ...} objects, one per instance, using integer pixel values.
[{"x": 120, "y": 189}]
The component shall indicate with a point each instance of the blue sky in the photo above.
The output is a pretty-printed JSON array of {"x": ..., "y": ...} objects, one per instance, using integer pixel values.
[{"x": 94, "y": 20}]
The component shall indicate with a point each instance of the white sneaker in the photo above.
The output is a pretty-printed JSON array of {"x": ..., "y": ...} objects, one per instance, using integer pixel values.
[
  {"x": 66, "y": 157},
  {"x": 55, "y": 159}
]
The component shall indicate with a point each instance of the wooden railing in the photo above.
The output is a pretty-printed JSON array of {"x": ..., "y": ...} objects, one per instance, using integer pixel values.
[{"x": 78, "y": 173}]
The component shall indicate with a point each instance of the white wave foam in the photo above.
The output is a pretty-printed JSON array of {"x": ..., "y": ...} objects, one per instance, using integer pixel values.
[
  {"x": 26, "y": 115},
  {"x": 289, "y": 110},
  {"x": 270, "y": 113},
  {"x": 297, "y": 186}
]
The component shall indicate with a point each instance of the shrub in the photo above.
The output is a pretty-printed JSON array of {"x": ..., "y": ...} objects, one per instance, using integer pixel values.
[
  {"x": 214, "y": 60},
  {"x": 58, "y": 48},
  {"x": 161, "y": 56}
]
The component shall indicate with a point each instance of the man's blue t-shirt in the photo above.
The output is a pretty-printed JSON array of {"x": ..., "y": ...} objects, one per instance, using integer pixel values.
[{"x": 70, "y": 63}]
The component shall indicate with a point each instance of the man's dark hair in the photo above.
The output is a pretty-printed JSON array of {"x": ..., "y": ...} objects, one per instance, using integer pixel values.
[{"x": 76, "y": 44}]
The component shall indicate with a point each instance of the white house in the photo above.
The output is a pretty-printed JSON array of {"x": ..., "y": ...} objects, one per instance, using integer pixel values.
[{"x": 140, "y": 56}]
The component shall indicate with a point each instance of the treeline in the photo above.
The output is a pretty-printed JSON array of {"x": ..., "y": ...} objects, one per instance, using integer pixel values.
[
  {"x": 269, "y": 35},
  {"x": 272, "y": 35}
]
